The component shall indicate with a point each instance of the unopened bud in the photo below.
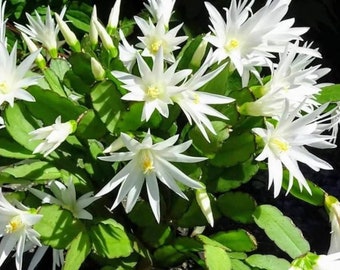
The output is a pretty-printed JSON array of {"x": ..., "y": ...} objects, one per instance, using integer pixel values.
[
  {"x": 203, "y": 201},
  {"x": 68, "y": 34},
  {"x": 113, "y": 18},
  {"x": 40, "y": 60},
  {"x": 93, "y": 33},
  {"x": 97, "y": 70},
  {"x": 106, "y": 39}
]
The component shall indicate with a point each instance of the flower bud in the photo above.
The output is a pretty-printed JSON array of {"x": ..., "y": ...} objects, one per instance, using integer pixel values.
[
  {"x": 199, "y": 54},
  {"x": 106, "y": 39},
  {"x": 97, "y": 70},
  {"x": 113, "y": 18},
  {"x": 40, "y": 60},
  {"x": 68, "y": 34},
  {"x": 93, "y": 33},
  {"x": 203, "y": 201}
]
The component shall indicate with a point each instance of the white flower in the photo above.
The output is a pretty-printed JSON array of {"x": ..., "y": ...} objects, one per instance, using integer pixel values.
[
  {"x": 154, "y": 87},
  {"x": 45, "y": 33},
  {"x": 13, "y": 78},
  {"x": 247, "y": 38},
  {"x": 3, "y": 39},
  {"x": 156, "y": 37},
  {"x": 149, "y": 162},
  {"x": 127, "y": 53},
  {"x": 334, "y": 122},
  {"x": 57, "y": 257},
  {"x": 328, "y": 262},
  {"x": 52, "y": 136},
  {"x": 161, "y": 10},
  {"x": 285, "y": 145},
  {"x": 16, "y": 230},
  {"x": 195, "y": 103},
  {"x": 65, "y": 196},
  {"x": 291, "y": 79}
]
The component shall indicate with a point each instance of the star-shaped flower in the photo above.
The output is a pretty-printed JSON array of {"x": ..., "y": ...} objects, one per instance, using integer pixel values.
[
  {"x": 13, "y": 78},
  {"x": 52, "y": 136},
  {"x": 155, "y": 87},
  {"x": 149, "y": 162},
  {"x": 285, "y": 146},
  {"x": 16, "y": 229},
  {"x": 248, "y": 38}
]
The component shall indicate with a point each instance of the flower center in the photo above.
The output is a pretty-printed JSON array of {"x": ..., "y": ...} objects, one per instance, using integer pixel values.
[
  {"x": 232, "y": 44},
  {"x": 280, "y": 145},
  {"x": 196, "y": 99},
  {"x": 153, "y": 92},
  {"x": 14, "y": 225},
  {"x": 147, "y": 163},
  {"x": 4, "y": 89},
  {"x": 155, "y": 46}
]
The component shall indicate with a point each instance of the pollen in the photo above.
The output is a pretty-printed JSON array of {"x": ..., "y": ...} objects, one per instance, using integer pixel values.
[
  {"x": 4, "y": 89},
  {"x": 14, "y": 225},
  {"x": 155, "y": 46},
  {"x": 280, "y": 145},
  {"x": 147, "y": 164},
  {"x": 153, "y": 92},
  {"x": 232, "y": 44}
]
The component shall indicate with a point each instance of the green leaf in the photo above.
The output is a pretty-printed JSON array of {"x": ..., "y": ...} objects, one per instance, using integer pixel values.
[
  {"x": 12, "y": 149},
  {"x": 90, "y": 126},
  {"x": 281, "y": 230},
  {"x": 79, "y": 249},
  {"x": 36, "y": 171},
  {"x": 54, "y": 104},
  {"x": 81, "y": 66},
  {"x": 19, "y": 123},
  {"x": 187, "y": 244},
  {"x": 110, "y": 240},
  {"x": 329, "y": 94},
  {"x": 316, "y": 198},
  {"x": 238, "y": 265},
  {"x": 209, "y": 149},
  {"x": 59, "y": 67},
  {"x": 79, "y": 19},
  {"x": 216, "y": 258},
  {"x": 238, "y": 206},
  {"x": 6, "y": 178},
  {"x": 107, "y": 103},
  {"x": 57, "y": 228},
  {"x": 188, "y": 52},
  {"x": 210, "y": 242},
  {"x": 193, "y": 216},
  {"x": 236, "y": 149},
  {"x": 222, "y": 180},
  {"x": 268, "y": 262},
  {"x": 142, "y": 215},
  {"x": 54, "y": 82},
  {"x": 167, "y": 256},
  {"x": 236, "y": 240},
  {"x": 156, "y": 236},
  {"x": 130, "y": 119}
]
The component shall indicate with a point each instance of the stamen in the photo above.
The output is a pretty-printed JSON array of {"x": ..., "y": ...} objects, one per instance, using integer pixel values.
[
  {"x": 4, "y": 89},
  {"x": 232, "y": 44},
  {"x": 153, "y": 92},
  {"x": 14, "y": 225}
]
